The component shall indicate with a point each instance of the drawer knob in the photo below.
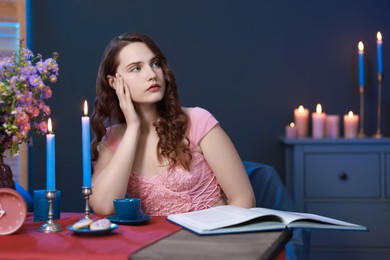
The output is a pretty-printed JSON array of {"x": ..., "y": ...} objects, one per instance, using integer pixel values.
[{"x": 343, "y": 176}]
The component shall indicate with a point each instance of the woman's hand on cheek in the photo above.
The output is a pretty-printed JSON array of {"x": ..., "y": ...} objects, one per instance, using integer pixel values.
[{"x": 125, "y": 102}]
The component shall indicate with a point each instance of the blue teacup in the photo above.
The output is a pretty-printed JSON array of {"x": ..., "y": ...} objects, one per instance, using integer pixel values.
[{"x": 127, "y": 208}]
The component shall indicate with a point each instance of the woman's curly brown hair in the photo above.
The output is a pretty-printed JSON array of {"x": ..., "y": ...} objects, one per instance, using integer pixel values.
[{"x": 172, "y": 124}]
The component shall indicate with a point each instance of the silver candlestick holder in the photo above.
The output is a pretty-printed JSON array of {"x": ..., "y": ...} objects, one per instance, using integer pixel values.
[
  {"x": 87, "y": 191},
  {"x": 361, "y": 133},
  {"x": 378, "y": 133},
  {"x": 50, "y": 226}
]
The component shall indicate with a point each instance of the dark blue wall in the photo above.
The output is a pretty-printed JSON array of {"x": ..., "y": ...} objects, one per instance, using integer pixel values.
[{"x": 249, "y": 62}]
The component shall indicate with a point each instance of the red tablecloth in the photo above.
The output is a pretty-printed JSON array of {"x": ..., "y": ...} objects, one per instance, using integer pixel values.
[{"x": 29, "y": 243}]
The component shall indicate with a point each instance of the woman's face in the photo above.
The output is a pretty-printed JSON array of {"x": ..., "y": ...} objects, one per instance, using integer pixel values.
[{"x": 141, "y": 71}]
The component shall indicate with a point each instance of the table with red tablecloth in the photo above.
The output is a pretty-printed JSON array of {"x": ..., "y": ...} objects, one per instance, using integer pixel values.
[{"x": 29, "y": 243}]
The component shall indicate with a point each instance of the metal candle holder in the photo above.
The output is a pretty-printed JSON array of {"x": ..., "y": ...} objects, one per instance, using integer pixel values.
[
  {"x": 87, "y": 191},
  {"x": 50, "y": 226},
  {"x": 378, "y": 133},
  {"x": 361, "y": 129}
]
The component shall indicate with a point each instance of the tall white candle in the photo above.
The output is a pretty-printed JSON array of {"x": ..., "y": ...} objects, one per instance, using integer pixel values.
[
  {"x": 301, "y": 119},
  {"x": 351, "y": 122},
  {"x": 318, "y": 122}
]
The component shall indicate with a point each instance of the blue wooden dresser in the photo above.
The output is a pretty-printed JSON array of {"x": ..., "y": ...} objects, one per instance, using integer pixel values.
[{"x": 347, "y": 179}]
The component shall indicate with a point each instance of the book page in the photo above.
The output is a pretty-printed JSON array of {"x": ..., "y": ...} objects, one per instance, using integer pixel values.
[
  {"x": 227, "y": 216},
  {"x": 322, "y": 225},
  {"x": 214, "y": 218},
  {"x": 289, "y": 217},
  {"x": 250, "y": 226}
]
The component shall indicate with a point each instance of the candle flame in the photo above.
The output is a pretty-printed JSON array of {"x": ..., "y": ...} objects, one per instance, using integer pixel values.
[
  {"x": 292, "y": 124},
  {"x": 350, "y": 114},
  {"x": 361, "y": 46},
  {"x": 379, "y": 36},
  {"x": 49, "y": 126},
  {"x": 85, "y": 108},
  {"x": 319, "y": 109},
  {"x": 301, "y": 109}
]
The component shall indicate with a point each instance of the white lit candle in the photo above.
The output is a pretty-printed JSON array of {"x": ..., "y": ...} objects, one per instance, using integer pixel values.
[
  {"x": 351, "y": 122},
  {"x": 291, "y": 131},
  {"x": 318, "y": 122},
  {"x": 86, "y": 147},
  {"x": 301, "y": 119},
  {"x": 50, "y": 158}
]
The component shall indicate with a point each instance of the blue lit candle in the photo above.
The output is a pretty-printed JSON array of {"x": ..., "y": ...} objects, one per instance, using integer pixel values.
[
  {"x": 361, "y": 64},
  {"x": 50, "y": 158},
  {"x": 379, "y": 48},
  {"x": 86, "y": 147}
]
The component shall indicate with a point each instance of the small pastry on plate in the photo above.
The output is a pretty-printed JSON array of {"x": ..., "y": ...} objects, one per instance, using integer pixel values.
[
  {"x": 100, "y": 224},
  {"x": 82, "y": 223}
]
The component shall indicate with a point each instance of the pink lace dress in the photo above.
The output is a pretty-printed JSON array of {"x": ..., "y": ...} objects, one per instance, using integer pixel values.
[{"x": 177, "y": 190}]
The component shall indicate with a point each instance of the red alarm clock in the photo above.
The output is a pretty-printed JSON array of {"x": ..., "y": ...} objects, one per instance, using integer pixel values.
[{"x": 13, "y": 211}]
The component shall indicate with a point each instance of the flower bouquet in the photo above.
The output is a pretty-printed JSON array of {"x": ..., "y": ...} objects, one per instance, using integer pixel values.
[{"x": 23, "y": 91}]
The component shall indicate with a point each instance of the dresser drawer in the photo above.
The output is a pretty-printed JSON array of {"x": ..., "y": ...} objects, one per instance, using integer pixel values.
[
  {"x": 373, "y": 215},
  {"x": 387, "y": 172},
  {"x": 342, "y": 175}
]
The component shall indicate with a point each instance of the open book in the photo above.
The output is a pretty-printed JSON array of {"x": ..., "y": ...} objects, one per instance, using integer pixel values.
[{"x": 232, "y": 219}]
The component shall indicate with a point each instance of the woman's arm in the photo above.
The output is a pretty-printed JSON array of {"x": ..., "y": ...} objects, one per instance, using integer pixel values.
[
  {"x": 112, "y": 170},
  {"x": 224, "y": 161}
]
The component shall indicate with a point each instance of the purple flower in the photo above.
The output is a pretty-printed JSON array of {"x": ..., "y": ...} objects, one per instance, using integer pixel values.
[
  {"x": 35, "y": 80},
  {"x": 40, "y": 66},
  {"x": 27, "y": 53},
  {"x": 28, "y": 70},
  {"x": 23, "y": 89}
]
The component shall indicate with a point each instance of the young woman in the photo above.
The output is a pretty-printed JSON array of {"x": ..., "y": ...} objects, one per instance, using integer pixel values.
[{"x": 175, "y": 159}]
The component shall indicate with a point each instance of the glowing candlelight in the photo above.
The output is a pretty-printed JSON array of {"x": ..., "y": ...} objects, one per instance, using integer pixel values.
[
  {"x": 291, "y": 131},
  {"x": 361, "y": 63},
  {"x": 301, "y": 119},
  {"x": 351, "y": 125},
  {"x": 86, "y": 147},
  {"x": 379, "y": 50},
  {"x": 50, "y": 158},
  {"x": 318, "y": 122}
]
